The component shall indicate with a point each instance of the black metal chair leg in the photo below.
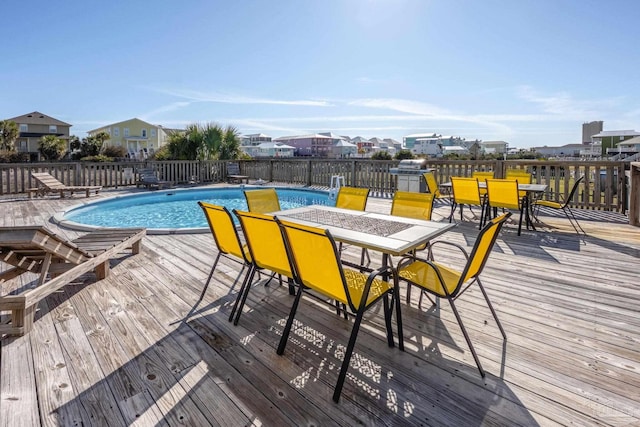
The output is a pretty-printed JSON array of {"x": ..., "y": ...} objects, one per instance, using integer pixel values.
[
  {"x": 466, "y": 337},
  {"x": 495, "y": 316},
  {"x": 287, "y": 327},
  {"x": 242, "y": 296},
  {"x": 347, "y": 357},
  {"x": 206, "y": 285}
]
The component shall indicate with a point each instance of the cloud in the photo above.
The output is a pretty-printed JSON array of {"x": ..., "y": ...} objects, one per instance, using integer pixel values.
[
  {"x": 164, "y": 109},
  {"x": 563, "y": 104},
  {"x": 237, "y": 99},
  {"x": 402, "y": 105}
]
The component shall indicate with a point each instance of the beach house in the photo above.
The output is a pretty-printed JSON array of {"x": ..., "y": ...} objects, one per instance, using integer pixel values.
[
  {"x": 32, "y": 127},
  {"x": 139, "y": 138}
]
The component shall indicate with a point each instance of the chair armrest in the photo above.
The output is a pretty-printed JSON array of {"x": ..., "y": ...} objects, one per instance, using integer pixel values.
[
  {"x": 384, "y": 270},
  {"x": 444, "y": 242}
]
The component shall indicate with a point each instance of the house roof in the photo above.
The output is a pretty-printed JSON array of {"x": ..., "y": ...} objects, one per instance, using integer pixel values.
[
  {"x": 124, "y": 121},
  {"x": 606, "y": 133},
  {"x": 343, "y": 143},
  {"x": 270, "y": 145},
  {"x": 633, "y": 141},
  {"x": 313, "y": 135},
  {"x": 37, "y": 118}
]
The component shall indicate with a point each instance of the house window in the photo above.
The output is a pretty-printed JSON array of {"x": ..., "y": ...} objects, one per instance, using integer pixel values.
[
  {"x": 126, "y": 132},
  {"x": 24, "y": 128},
  {"x": 53, "y": 128},
  {"x": 116, "y": 131},
  {"x": 153, "y": 133},
  {"x": 144, "y": 133}
]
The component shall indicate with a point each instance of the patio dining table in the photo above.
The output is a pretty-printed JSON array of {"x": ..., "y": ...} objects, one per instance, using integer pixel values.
[
  {"x": 530, "y": 189},
  {"x": 388, "y": 234}
]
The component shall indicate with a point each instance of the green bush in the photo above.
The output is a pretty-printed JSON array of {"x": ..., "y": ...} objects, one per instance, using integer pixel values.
[
  {"x": 114, "y": 151},
  {"x": 13, "y": 157},
  {"x": 381, "y": 155},
  {"x": 98, "y": 158},
  {"x": 404, "y": 154}
]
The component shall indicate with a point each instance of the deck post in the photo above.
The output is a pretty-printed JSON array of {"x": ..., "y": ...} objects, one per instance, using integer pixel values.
[{"x": 634, "y": 199}]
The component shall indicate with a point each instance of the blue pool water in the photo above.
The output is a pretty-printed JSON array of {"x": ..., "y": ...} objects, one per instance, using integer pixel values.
[{"x": 177, "y": 209}]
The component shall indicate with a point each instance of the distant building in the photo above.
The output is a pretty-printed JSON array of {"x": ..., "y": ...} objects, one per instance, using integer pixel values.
[
  {"x": 410, "y": 140},
  {"x": 316, "y": 145},
  {"x": 567, "y": 150},
  {"x": 344, "y": 149},
  {"x": 427, "y": 146},
  {"x": 589, "y": 129},
  {"x": 392, "y": 142},
  {"x": 611, "y": 138},
  {"x": 32, "y": 127},
  {"x": 139, "y": 138},
  {"x": 494, "y": 147},
  {"x": 274, "y": 149},
  {"x": 254, "y": 139}
]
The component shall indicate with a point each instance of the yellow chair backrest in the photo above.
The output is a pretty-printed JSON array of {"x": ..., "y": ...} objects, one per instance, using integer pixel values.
[
  {"x": 352, "y": 198},
  {"x": 412, "y": 205},
  {"x": 262, "y": 201},
  {"x": 482, "y": 175},
  {"x": 223, "y": 229},
  {"x": 265, "y": 242},
  {"x": 465, "y": 191},
  {"x": 521, "y": 175},
  {"x": 503, "y": 193},
  {"x": 432, "y": 184},
  {"x": 316, "y": 260},
  {"x": 482, "y": 248}
]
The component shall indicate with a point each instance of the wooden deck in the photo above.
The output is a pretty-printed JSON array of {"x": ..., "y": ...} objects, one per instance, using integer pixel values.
[{"x": 133, "y": 349}]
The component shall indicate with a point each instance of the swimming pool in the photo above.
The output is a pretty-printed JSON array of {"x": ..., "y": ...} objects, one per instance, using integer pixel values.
[{"x": 173, "y": 211}]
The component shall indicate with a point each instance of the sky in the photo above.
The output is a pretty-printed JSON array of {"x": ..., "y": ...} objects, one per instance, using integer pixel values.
[{"x": 529, "y": 72}]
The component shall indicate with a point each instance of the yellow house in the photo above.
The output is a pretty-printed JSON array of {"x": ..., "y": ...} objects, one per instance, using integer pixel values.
[{"x": 139, "y": 138}]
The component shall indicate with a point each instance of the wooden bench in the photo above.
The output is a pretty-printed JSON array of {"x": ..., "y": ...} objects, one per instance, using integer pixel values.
[
  {"x": 56, "y": 261},
  {"x": 233, "y": 174}
]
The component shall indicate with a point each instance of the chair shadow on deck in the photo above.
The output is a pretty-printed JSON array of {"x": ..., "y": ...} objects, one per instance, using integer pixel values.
[{"x": 208, "y": 369}]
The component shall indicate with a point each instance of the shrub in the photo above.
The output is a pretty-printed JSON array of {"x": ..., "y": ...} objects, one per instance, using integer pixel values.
[
  {"x": 404, "y": 154},
  {"x": 98, "y": 158},
  {"x": 114, "y": 151},
  {"x": 13, "y": 157},
  {"x": 381, "y": 155}
]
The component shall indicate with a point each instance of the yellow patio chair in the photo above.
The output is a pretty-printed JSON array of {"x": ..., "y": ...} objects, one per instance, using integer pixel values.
[
  {"x": 352, "y": 198},
  {"x": 432, "y": 185},
  {"x": 316, "y": 262},
  {"x": 267, "y": 251},
  {"x": 262, "y": 201},
  {"x": 466, "y": 192},
  {"x": 413, "y": 205},
  {"x": 482, "y": 176},
  {"x": 503, "y": 193},
  {"x": 355, "y": 199},
  {"x": 522, "y": 176},
  {"x": 226, "y": 238},
  {"x": 564, "y": 206},
  {"x": 446, "y": 282}
]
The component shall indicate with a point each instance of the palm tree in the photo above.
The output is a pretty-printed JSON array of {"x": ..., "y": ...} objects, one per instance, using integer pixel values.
[
  {"x": 230, "y": 148},
  {"x": 8, "y": 135},
  {"x": 51, "y": 147}
]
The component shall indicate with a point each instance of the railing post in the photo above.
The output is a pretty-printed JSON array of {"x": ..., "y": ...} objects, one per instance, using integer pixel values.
[
  {"x": 499, "y": 169},
  {"x": 309, "y": 173},
  {"x": 353, "y": 174},
  {"x": 634, "y": 196}
]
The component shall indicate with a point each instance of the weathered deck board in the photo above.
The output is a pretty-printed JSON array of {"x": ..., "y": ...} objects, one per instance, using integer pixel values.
[{"x": 133, "y": 350}]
